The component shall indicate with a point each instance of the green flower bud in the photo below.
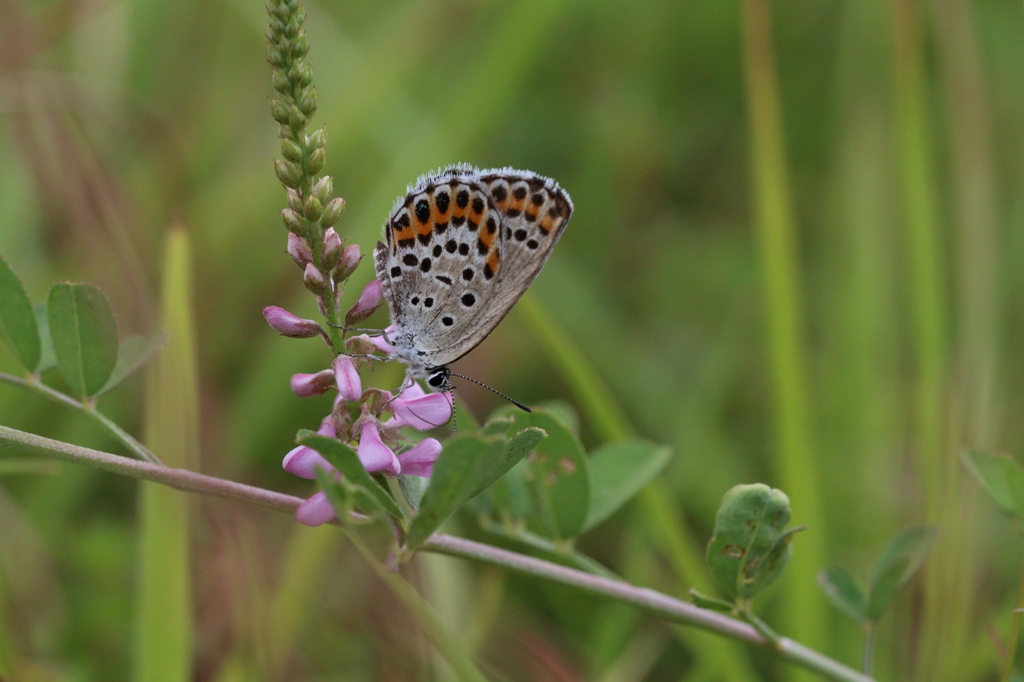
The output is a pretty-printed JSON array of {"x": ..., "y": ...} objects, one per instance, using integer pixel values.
[
  {"x": 332, "y": 212},
  {"x": 300, "y": 47},
  {"x": 291, "y": 151},
  {"x": 293, "y": 221},
  {"x": 295, "y": 119},
  {"x": 294, "y": 199},
  {"x": 288, "y": 173},
  {"x": 315, "y": 162},
  {"x": 324, "y": 189},
  {"x": 307, "y": 102},
  {"x": 312, "y": 209},
  {"x": 305, "y": 74},
  {"x": 279, "y": 110},
  {"x": 332, "y": 249},
  {"x": 314, "y": 280},
  {"x": 317, "y": 139},
  {"x": 281, "y": 82},
  {"x": 276, "y": 57}
]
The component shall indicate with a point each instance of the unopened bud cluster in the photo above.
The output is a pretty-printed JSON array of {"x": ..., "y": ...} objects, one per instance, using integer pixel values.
[{"x": 312, "y": 210}]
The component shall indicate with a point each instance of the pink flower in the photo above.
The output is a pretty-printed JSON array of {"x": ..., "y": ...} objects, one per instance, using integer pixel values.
[
  {"x": 372, "y": 452},
  {"x": 290, "y": 325},
  {"x": 299, "y": 250},
  {"x": 306, "y": 385},
  {"x": 347, "y": 377},
  {"x": 303, "y": 461},
  {"x": 420, "y": 410},
  {"x": 379, "y": 342},
  {"x": 419, "y": 461},
  {"x": 314, "y": 280},
  {"x": 315, "y": 511},
  {"x": 348, "y": 263},
  {"x": 369, "y": 300},
  {"x": 332, "y": 245}
]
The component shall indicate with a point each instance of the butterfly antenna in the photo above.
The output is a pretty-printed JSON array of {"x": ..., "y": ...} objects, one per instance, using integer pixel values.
[{"x": 518, "y": 404}]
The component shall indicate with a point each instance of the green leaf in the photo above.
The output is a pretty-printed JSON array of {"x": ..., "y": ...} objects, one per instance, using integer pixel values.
[
  {"x": 17, "y": 319},
  {"x": 134, "y": 352},
  {"x": 497, "y": 426},
  {"x": 750, "y": 546},
  {"x": 990, "y": 471},
  {"x": 897, "y": 566},
  {"x": 618, "y": 471},
  {"x": 48, "y": 360},
  {"x": 413, "y": 488},
  {"x": 346, "y": 461},
  {"x": 565, "y": 413},
  {"x": 511, "y": 495},
  {"x": 560, "y": 476},
  {"x": 841, "y": 589},
  {"x": 84, "y": 336},
  {"x": 467, "y": 466}
]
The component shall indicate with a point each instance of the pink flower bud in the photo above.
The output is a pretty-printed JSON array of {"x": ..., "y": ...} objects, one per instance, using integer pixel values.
[
  {"x": 347, "y": 377},
  {"x": 290, "y": 325},
  {"x": 369, "y": 301},
  {"x": 348, "y": 262},
  {"x": 419, "y": 461},
  {"x": 299, "y": 250},
  {"x": 307, "y": 385},
  {"x": 314, "y": 280},
  {"x": 332, "y": 248},
  {"x": 315, "y": 511},
  {"x": 420, "y": 410},
  {"x": 303, "y": 461},
  {"x": 372, "y": 452}
]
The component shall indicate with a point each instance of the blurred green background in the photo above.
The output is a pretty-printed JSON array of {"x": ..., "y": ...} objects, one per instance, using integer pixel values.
[{"x": 795, "y": 260}]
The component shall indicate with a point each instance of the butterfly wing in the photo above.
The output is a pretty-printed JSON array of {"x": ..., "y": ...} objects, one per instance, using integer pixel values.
[{"x": 462, "y": 247}]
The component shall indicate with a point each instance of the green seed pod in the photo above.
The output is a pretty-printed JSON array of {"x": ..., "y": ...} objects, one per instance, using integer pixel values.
[
  {"x": 315, "y": 162},
  {"x": 293, "y": 221},
  {"x": 279, "y": 110},
  {"x": 750, "y": 546},
  {"x": 324, "y": 189},
  {"x": 312, "y": 209},
  {"x": 332, "y": 212},
  {"x": 300, "y": 47},
  {"x": 291, "y": 151},
  {"x": 288, "y": 173}
]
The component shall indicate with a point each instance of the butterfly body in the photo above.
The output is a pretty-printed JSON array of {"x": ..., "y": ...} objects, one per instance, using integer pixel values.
[{"x": 461, "y": 247}]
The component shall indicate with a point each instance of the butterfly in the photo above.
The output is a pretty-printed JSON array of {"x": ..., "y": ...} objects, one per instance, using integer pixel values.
[{"x": 461, "y": 247}]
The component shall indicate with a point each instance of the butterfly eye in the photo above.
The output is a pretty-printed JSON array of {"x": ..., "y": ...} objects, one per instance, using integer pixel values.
[{"x": 437, "y": 379}]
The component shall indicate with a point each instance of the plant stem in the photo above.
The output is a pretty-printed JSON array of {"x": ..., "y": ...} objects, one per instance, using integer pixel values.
[
  {"x": 868, "y": 655},
  {"x": 1011, "y": 644},
  {"x": 90, "y": 411},
  {"x": 662, "y": 605}
]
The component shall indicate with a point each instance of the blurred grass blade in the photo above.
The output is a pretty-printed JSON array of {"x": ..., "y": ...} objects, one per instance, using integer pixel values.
[
  {"x": 661, "y": 516},
  {"x": 425, "y": 616},
  {"x": 17, "y": 319},
  {"x": 618, "y": 471},
  {"x": 84, "y": 336},
  {"x": 163, "y": 648},
  {"x": 901, "y": 560},
  {"x": 798, "y": 469},
  {"x": 842, "y": 590},
  {"x": 134, "y": 352}
]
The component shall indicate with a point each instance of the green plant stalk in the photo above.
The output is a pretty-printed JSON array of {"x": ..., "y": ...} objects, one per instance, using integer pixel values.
[
  {"x": 804, "y": 611},
  {"x": 598, "y": 405},
  {"x": 89, "y": 410},
  {"x": 867, "y": 658},
  {"x": 164, "y": 630},
  {"x": 664, "y": 606},
  {"x": 1014, "y": 638}
]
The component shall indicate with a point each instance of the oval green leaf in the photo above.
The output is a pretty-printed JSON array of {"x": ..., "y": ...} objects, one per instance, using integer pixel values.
[
  {"x": 618, "y": 471},
  {"x": 841, "y": 589},
  {"x": 84, "y": 336},
  {"x": 132, "y": 354},
  {"x": 18, "y": 319},
  {"x": 1001, "y": 477},
  {"x": 559, "y": 472},
  {"x": 897, "y": 566}
]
